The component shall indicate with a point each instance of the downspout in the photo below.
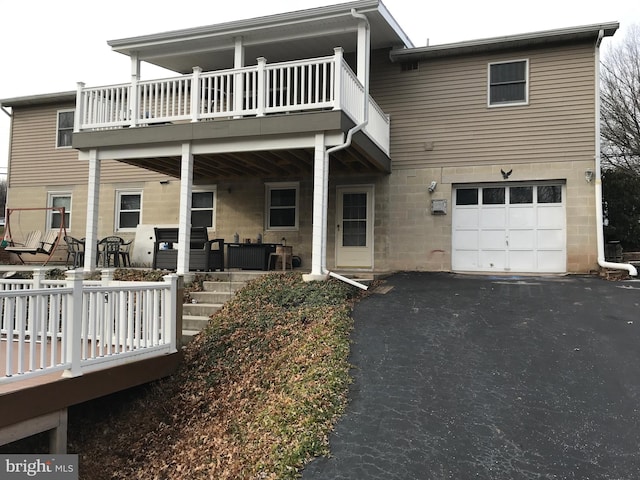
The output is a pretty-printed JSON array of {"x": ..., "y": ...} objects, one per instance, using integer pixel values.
[
  {"x": 599, "y": 216},
  {"x": 347, "y": 143}
]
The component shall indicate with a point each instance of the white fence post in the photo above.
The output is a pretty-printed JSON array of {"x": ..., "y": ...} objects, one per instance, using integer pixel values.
[
  {"x": 337, "y": 76},
  {"x": 170, "y": 314},
  {"x": 72, "y": 334}
]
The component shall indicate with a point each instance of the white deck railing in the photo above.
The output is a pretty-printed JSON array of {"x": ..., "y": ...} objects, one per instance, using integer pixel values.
[
  {"x": 304, "y": 85},
  {"x": 76, "y": 326}
]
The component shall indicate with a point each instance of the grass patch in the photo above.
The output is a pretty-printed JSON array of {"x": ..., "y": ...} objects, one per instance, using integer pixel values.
[{"x": 260, "y": 389}]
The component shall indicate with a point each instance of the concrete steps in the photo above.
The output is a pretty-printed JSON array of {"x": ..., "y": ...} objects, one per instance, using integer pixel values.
[{"x": 220, "y": 289}]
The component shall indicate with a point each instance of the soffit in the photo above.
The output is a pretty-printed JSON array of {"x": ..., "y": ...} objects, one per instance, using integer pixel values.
[{"x": 289, "y": 36}]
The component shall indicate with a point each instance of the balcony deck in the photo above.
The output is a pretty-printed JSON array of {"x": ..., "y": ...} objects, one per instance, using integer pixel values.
[{"x": 311, "y": 85}]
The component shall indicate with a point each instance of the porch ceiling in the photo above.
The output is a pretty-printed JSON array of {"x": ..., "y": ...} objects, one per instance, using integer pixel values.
[{"x": 262, "y": 164}]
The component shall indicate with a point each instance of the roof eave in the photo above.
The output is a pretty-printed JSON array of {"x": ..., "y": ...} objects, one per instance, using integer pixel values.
[
  {"x": 44, "y": 99},
  {"x": 557, "y": 36}
]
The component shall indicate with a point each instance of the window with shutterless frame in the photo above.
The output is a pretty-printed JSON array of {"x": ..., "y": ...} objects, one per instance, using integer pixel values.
[
  {"x": 64, "y": 128},
  {"x": 203, "y": 207},
  {"x": 128, "y": 209},
  {"x": 54, "y": 217},
  {"x": 282, "y": 204},
  {"x": 508, "y": 83}
]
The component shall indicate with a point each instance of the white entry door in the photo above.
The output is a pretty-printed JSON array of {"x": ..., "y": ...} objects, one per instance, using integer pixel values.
[
  {"x": 354, "y": 227},
  {"x": 515, "y": 228}
]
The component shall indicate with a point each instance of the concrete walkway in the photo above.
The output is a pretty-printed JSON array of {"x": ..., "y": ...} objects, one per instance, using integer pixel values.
[{"x": 476, "y": 377}]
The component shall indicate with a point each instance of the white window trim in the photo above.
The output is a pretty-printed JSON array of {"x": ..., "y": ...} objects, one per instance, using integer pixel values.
[
  {"x": 205, "y": 189},
  {"x": 526, "y": 88},
  {"x": 281, "y": 186},
  {"x": 50, "y": 196},
  {"x": 62, "y": 147},
  {"x": 119, "y": 193}
]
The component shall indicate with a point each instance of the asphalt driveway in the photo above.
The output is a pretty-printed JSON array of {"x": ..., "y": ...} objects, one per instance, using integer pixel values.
[{"x": 476, "y": 377}]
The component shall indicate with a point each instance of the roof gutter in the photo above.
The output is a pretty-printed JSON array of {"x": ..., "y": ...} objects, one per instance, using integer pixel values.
[
  {"x": 349, "y": 138},
  {"x": 598, "y": 186}
]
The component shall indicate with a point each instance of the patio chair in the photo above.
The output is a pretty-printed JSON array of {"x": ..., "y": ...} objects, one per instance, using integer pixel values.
[{"x": 75, "y": 252}]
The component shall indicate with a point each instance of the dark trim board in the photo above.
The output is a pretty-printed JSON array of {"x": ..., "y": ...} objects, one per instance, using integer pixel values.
[{"x": 41, "y": 399}]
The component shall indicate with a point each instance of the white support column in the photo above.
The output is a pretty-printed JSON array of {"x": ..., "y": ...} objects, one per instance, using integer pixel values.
[
  {"x": 93, "y": 208},
  {"x": 319, "y": 233},
  {"x": 195, "y": 94},
  {"x": 338, "y": 55},
  {"x": 238, "y": 62},
  {"x": 262, "y": 88},
  {"x": 79, "y": 114},
  {"x": 362, "y": 65},
  {"x": 133, "y": 93},
  {"x": 184, "y": 220}
]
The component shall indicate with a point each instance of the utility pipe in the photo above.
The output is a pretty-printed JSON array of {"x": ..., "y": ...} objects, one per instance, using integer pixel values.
[
  {"x": 598, "y": 186},
  {"x": 346, "y": 144}
]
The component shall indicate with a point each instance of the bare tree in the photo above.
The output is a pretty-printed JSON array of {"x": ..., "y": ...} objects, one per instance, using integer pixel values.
[{"x": 620, "y": 104}]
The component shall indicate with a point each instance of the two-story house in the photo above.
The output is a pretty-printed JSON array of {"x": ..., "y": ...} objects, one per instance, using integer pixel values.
[{"x": 327, "y": 129}]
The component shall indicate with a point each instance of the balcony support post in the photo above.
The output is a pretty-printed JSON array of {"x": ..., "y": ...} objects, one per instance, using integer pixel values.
[
  {"x": 195, "y": 94},
  {"x": 93, "y": 206},
  {"x": 238, "y": 80},
  {"x": 78, "y": 117},
  {"x": 262, "y": 88},
  {"x": 133, "y": 92},
  {"x": 184, "y": 218},
  {"x": 319, "y": 232},
  {"x": 338, "y": 54}
]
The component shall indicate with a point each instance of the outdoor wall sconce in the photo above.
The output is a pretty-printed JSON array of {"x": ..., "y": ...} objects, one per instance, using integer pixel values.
[
  {"x": 588, "y": 176},
  {"x": 432, "y": 186}
]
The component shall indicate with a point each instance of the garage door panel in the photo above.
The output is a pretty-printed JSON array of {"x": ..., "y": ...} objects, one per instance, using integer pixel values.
[
  {"x": 548, "y": 261},
  {"x": 493, "y": 260},
  {"x": 491, "y": 239},
  {"x": 550, "y": 217},
  {"x": 522, "y": 239},
  {"x": 466, "y": 260},
  {"x": 493, "y": 218},
  {"x": 550, "y": 239},
  {"x": 467, "y": 218},
  {"x": 466, "y": 240},
  {"x": 522, "y": 218},
  {"x": 522, "y": 261}
]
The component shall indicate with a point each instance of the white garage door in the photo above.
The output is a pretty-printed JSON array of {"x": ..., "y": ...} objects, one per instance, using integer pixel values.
[{"x": 517, "y": 228}]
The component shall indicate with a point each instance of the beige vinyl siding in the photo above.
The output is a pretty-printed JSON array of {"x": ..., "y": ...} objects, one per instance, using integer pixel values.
[
  {"x": 35, "y": 160},
  {"x": 440, "y": 117}
]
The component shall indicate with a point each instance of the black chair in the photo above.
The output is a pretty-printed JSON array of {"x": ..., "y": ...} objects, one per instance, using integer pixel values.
[
  {"x": 109, "y": 251},
  {"x": 75, "y": 252}
]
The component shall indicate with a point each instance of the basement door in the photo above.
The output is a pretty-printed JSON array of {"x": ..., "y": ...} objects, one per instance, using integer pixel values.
[
  {"x": 354, "y": 227},
  {"x": 518, "y": 228}
]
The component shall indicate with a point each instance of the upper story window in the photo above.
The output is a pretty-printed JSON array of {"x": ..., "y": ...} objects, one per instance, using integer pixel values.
[
  {"x": 508, "y": 83},
  {"x": 128, "y": 209},
  {"x": 65, "y": 128},
  {"x": 54, "y": 219},
  {"x": 203, "y": 208},
  {"x": 282, "y": 206}
]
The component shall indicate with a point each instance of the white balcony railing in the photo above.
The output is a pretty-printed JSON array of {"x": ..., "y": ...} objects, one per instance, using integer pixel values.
[
  {"x": 77, "y": 326},
  {"x": 262, "y": 89}
]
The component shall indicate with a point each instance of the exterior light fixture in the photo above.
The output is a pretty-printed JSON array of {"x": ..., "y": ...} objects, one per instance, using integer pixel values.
[{"x": 588, "y": 175}]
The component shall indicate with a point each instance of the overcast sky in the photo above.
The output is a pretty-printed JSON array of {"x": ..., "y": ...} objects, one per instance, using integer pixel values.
[{"x": 48, "y": 46}]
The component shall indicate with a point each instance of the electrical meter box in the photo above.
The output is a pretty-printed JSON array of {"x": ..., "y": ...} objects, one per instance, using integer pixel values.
[{"x": 439, "y": 207}]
